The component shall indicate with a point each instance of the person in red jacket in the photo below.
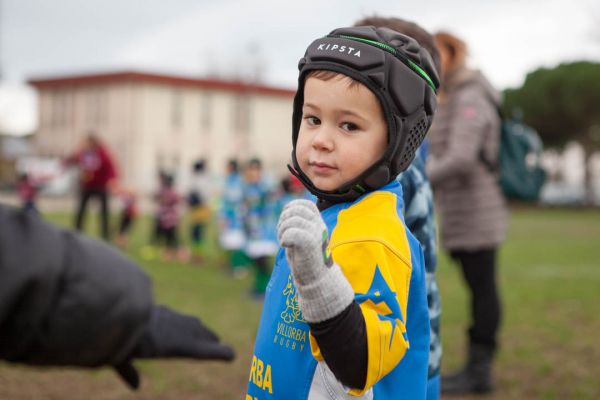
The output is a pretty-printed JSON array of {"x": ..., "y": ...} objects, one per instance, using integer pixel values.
[{"x": 97, "y": 173}]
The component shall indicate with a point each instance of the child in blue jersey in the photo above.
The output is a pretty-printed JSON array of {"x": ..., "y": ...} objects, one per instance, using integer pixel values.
[
  {"x": 231, "y": 231},
  {"x": 345, "y": 312},
  {"x": 261, "y": 239}
]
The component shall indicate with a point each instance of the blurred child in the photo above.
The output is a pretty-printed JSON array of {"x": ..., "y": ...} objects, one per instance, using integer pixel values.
[
  {"x": 297, "y": 190},
  {"x": 261, "y": 241},
  {"x": 27, "y": 189},
  {"x": 231, "y": 233},
  {"x": 198, "y": 203},
  {"x": 127, "y": 217},
  {"x": 290, "y": 188},
  {"x": 167, "y": 217}
]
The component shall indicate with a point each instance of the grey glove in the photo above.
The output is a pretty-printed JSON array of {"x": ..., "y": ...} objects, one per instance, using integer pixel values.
[
  {"x": 323, "y": 290},
  {"x": 173, "y": 335}
]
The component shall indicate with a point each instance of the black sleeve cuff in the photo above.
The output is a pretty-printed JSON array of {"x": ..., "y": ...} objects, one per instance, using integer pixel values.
[{"x": 343, "y": 343}]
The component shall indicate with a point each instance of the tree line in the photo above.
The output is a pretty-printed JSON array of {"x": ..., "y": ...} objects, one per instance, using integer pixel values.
[{"x": 563, "y": 105}]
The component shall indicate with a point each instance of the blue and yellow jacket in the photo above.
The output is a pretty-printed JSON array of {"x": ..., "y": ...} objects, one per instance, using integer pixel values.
[{"x": 384, "y": 264}]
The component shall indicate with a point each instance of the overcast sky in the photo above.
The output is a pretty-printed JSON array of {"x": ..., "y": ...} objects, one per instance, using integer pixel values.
[{"x": 39, "y": 38}]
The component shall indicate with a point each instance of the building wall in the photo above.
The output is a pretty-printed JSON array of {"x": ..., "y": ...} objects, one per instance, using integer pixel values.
[
  {"x": 272, "y": 133},
  {"x": 152, "y": 125}
]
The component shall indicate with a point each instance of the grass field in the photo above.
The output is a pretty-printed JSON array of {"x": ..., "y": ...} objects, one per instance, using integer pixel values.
[{"x": 550, "y": 283}]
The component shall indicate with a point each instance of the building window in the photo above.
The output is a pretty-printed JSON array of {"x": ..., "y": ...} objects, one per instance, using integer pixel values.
[
  {"x": 97, "y": 107},
  {"x": 168, "y": 163},
  {"x": 241, "y": 113},
  {"x": 176, "y": 109},
  {"x": 58, "y": 109},
  {"x": 206, "y": 111}
]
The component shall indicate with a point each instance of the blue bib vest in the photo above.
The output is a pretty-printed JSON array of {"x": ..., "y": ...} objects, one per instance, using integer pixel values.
[{"x": 283, "y": 365}]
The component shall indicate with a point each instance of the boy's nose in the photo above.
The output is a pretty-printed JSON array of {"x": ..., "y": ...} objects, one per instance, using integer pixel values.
[{"x": 323, "y": 139}]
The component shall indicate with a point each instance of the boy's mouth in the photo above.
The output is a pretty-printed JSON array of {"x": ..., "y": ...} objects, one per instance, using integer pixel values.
[{"x": 321, "y": 167}]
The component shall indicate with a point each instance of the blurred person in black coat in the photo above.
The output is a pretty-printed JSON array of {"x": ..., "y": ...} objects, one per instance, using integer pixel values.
[{"x": 67, "y": 300}]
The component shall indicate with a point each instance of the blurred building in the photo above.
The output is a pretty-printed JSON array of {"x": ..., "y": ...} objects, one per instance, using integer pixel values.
[
  {"x": 152, "y": 121},
  {"x": 565, "y": 168}
]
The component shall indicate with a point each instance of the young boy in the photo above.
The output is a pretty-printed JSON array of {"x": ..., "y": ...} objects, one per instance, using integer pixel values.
[{"x": 350, "y": 281}]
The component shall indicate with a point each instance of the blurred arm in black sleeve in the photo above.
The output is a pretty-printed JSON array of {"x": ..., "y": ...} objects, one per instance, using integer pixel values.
[{"x": 66, "y": 299}]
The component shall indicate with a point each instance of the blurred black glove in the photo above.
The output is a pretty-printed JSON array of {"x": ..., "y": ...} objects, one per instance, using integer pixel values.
[{"x": 173, "y": 335}]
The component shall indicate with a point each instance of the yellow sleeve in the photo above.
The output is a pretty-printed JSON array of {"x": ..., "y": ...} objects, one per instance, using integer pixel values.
[
  {"x": 381, "y": 288},
  {"x": 370, "y": 245}
]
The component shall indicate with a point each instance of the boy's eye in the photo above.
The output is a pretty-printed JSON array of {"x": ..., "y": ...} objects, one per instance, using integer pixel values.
[
  {"x": 311, "y": 120},
  {"x": 349, "y": 126}
]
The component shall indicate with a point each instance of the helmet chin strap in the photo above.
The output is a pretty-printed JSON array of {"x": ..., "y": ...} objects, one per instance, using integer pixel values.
[
  {"x": 375, "y": 176},
  {"x": 325, "y": 198}
]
